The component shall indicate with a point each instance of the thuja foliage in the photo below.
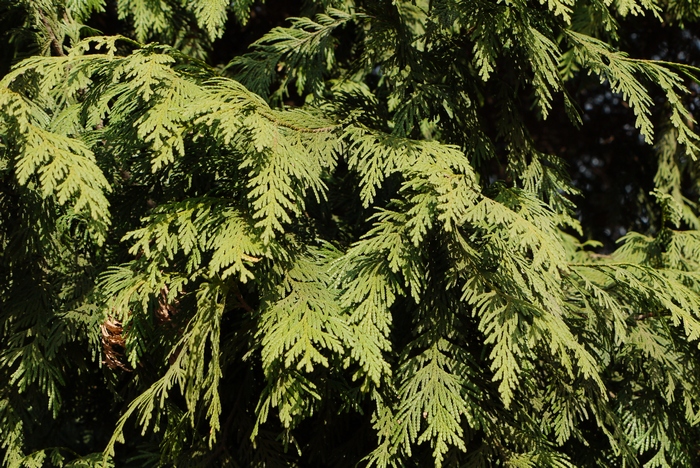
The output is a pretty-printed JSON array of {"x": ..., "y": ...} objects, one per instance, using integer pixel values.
[{"x": 346, "y": 246}]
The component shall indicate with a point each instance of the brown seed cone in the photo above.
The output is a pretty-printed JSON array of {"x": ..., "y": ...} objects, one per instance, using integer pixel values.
[
  {"x": 113, "y": 344},
  {"x": 113, "y": 332},
  {"x": 165, "y": 310}
]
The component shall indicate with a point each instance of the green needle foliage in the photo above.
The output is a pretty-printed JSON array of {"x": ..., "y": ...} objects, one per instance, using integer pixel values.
[{"x": 346, "y": 246}]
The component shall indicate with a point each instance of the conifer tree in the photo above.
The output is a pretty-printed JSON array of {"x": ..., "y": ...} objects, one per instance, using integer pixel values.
[{"x": 363, "y": 237}]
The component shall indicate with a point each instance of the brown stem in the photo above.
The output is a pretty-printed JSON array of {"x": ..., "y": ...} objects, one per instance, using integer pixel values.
[
  {"x": 52, "y": 35},
  {"x": 241, "y": 301}
]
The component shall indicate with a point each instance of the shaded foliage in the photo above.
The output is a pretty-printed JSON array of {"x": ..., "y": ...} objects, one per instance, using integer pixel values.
[{"x": 343, "y": 232}]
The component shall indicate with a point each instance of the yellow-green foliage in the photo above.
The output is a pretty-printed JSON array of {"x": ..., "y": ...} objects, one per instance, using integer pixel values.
[{"x": 342, "y": 259}]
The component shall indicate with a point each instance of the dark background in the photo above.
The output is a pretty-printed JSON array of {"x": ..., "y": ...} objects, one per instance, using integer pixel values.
[{"x": 607, "y": 159}]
